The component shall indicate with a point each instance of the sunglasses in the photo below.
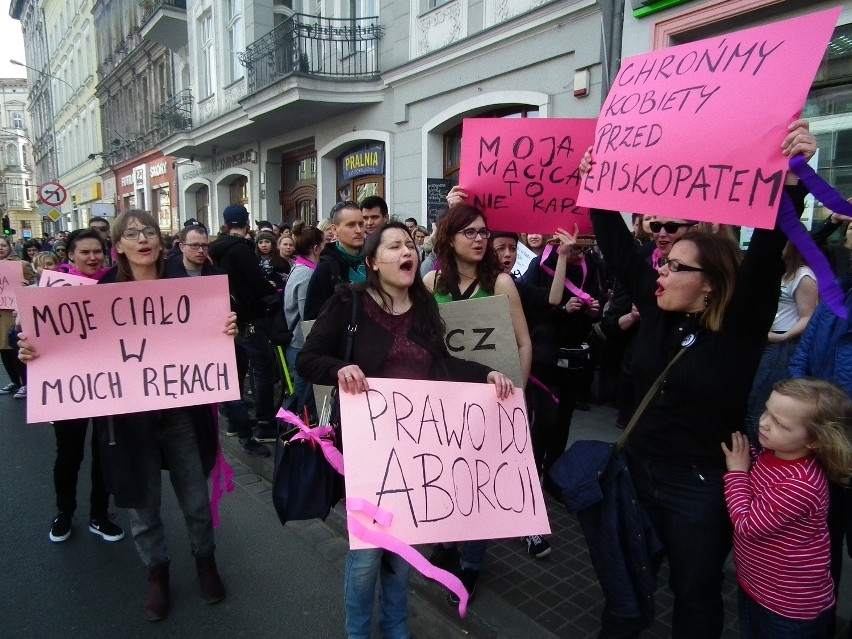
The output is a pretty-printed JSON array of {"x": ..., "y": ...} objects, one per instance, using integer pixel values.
[
  {"x": 676, "y": 266},
  {"x": 671, "y": 227}
]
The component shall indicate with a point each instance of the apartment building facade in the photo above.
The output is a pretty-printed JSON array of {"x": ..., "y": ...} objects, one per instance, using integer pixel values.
[{"x": 17, "y": 190}]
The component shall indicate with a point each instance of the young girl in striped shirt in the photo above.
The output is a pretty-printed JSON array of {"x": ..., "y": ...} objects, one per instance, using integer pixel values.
[{"x": 778, "y": 503}]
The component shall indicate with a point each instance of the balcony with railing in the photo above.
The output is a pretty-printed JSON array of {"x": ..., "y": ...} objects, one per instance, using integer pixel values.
[
  {"x": 164, "y": 21},
  {"x": 338, "y": 48},
  {"x": 173, "y": 116},
  {"x": 308, "y": 69}
]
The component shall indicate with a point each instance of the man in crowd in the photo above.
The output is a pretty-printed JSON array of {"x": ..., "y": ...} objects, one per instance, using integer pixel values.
[
  {"x": 375, "y": 211},
  {"x": 194, "y": 245},
  {"x": 101, "y": 225},
  {"x": 411, "y": 225},
  {"x": 250, "y": 294},
  {"x": 342, "y": 261}
]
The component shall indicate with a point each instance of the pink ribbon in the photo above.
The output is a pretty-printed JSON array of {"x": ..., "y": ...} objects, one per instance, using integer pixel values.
[
  {"x": 319, "y": 435},
  {"x": 578, "y": 292},
  {"x": 222, "y": 475},
  {"x": 382, "y": 517},
  {"x": 656, "y": 256},
  {"x": 390, "y": 543},
  {"x": 545, "y": 389}
]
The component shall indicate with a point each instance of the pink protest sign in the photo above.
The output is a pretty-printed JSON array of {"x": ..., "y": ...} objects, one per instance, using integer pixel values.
[
  {"x": 523, "y": 173},
  {"x": 11, "y": 279},
  {"x": 449, "y": 460},
  {"x": 123, "y": 348},
  {"x": 55, "y": 278},
  {"x": 695, "y": 131}
]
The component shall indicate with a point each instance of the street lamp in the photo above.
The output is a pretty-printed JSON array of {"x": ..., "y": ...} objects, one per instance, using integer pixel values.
[{"x": 21, "y": 64}]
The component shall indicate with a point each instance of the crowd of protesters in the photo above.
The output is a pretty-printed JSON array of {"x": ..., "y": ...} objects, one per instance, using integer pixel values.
[{"x": 595, "y": 318}]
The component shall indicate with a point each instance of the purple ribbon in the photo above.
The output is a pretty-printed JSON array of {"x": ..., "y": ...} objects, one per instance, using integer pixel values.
[{"x": 788, "y": 221}]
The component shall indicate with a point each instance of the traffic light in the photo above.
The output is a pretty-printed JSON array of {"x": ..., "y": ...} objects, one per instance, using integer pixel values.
[{"x": 6, "y": 226}]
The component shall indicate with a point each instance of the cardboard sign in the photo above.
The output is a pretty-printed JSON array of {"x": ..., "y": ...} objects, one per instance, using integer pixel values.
[
  {"x": 50, "y": 279},
  {"x": 449, "y": 460},
  {"x": 11, "y": 279},
  {"x": 123, "y": 348},
  {"x": 481, "y": 330},
  {"x": 523, "y": 173},
  {"x": 695, "y": 131}
]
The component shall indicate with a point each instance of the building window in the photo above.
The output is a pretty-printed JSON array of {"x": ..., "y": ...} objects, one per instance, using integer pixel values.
[
  {"x": 206, "y": 68},
  {"x": 238, "y": 190},
  {"x": 11, "y": 155},
  {"x": 16, "y": 119},
  {"x": 236, "y": 40},
  {"x": 452, "y": 138}
]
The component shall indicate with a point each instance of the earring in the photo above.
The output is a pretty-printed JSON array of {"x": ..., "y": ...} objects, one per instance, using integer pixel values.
[{"x": 706, "y": 301}]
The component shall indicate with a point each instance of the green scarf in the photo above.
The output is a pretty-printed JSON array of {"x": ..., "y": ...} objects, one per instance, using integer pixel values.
[{"x": 357, "y": 268}]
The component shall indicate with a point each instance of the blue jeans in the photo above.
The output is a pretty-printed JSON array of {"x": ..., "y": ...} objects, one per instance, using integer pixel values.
[
  {"x": 256, "y": 346},
  {"x": 359, "y": 591},
  {"x": 772, "y": 368},
  {"x": 303, "y": 390},
  {"x": 176, "y": 443},
  {"x": 757, "y": 622},
  {"x": 687, "y": 508}
]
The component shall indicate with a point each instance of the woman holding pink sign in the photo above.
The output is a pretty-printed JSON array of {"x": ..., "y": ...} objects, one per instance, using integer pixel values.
[
  {"x": 713, "y": 308},
  {"x": 135, "y": 446},
  {"x": 400, "y": 334}
]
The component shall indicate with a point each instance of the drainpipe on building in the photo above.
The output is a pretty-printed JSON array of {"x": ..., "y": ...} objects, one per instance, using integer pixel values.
[{"x": 612, "y": 25}]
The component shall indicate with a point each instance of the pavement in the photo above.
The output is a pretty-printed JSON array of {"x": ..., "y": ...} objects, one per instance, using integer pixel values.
[
  {"x": 281, "y": 580},
  {"x": 517, "y": 595}
]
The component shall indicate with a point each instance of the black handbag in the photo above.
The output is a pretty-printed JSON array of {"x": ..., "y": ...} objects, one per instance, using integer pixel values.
[
  {"x": 304, "y": 485},
  {"x": 274, "y": 322}
]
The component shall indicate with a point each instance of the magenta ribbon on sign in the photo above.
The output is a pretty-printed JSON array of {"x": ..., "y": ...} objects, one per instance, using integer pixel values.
[
  {"x": 788, "y": 221},
  {"x": 382, "y": 517},
  {"x": 578, "y": 292}
]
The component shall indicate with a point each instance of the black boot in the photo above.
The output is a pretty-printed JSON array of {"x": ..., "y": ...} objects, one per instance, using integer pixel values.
[
  {"x": 157, "y": 604},
  {"x": 212, "y": 588}
]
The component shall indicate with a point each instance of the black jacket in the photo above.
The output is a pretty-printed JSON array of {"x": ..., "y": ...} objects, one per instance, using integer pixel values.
[
  {"x": 332, "y": 270},
  {"x": 125, "y": 442},
  {"x": 705, "y": 395},
  {"x": 247, "y": 282}
]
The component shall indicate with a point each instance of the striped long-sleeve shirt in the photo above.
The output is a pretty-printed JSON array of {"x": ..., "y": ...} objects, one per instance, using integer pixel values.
[{"x": 781, "y": 545}]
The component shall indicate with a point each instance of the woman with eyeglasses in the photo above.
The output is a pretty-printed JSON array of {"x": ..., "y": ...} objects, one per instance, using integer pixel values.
[
  {"x": 470, "y": 269},
  {"x": 136, "y": 446},
  {"x": 703, "y": 297}
]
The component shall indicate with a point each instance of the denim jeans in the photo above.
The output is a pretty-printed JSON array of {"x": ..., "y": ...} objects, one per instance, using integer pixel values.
[
  {"x": 256, "y": 346},
  {"x": 687, "y": 508},
  {"x": 176, "y": 443},
  {"x": 70, "y": 445},
  {"x": 303, "y": 390},
  {"x": 772, "y": 368},
  {"x": 363, "y": 567},
  {"x": 757, "y": 622}
]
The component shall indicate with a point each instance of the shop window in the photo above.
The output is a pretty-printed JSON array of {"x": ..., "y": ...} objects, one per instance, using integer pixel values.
[
  {"x": 452, "y": 138},
  {"x": 238, "y": 190}
]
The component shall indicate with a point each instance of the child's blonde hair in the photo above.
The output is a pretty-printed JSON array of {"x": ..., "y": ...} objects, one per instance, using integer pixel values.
[{"x": 828, "y": 424}]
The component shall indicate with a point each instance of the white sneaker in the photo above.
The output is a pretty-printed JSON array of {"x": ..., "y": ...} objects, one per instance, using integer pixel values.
[{"x": 22, "y": 393}]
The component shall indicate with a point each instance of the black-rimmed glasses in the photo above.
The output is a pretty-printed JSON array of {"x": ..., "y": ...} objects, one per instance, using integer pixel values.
[
  {"x": 676, "y": 266},
  {"x": 472, "y": 233}
]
